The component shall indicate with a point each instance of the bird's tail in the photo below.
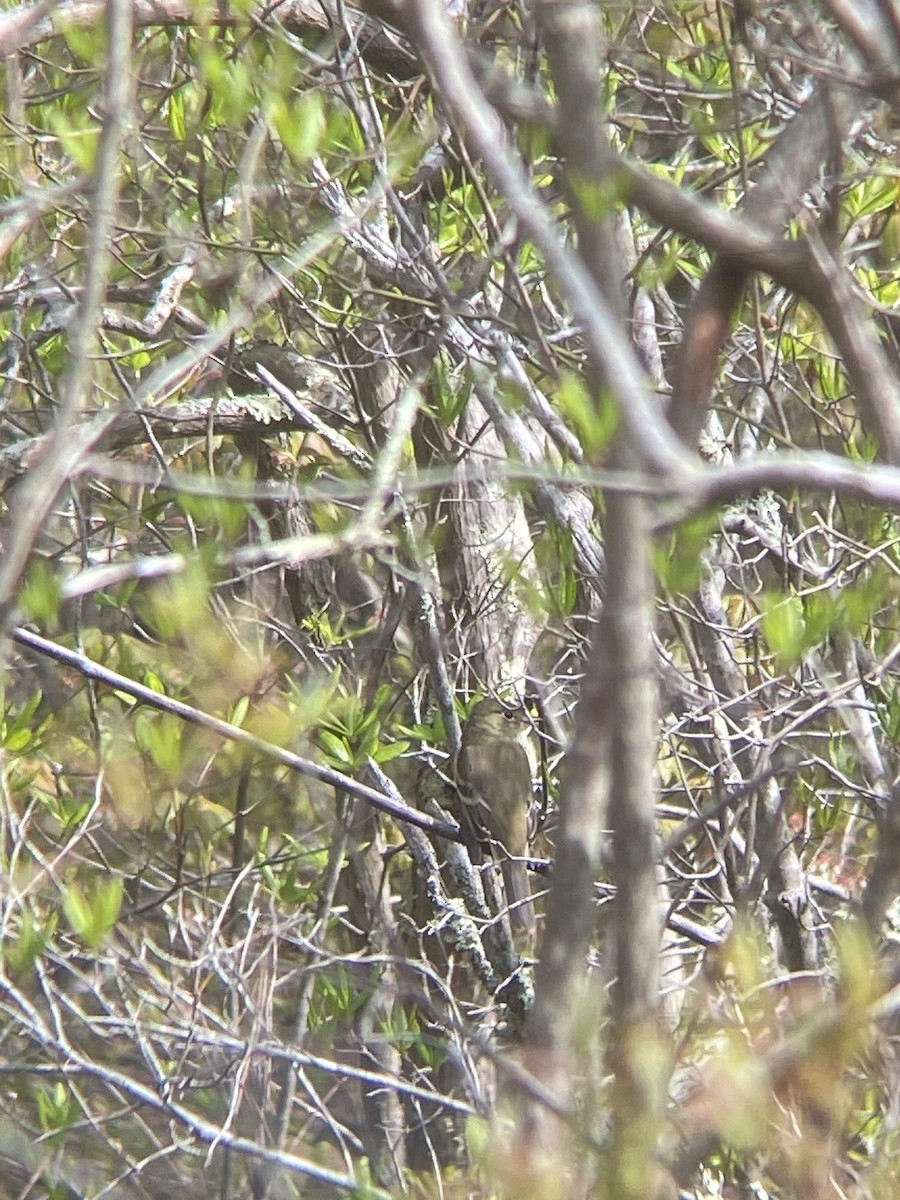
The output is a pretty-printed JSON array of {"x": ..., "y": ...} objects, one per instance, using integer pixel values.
[{"x": 518, "y": 896}]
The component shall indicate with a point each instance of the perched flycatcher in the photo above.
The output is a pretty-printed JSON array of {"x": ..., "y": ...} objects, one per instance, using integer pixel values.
[{"x": 495, "y": 783}]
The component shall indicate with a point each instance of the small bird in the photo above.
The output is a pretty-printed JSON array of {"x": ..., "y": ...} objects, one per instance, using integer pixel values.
[{"x": 494, "y": 774}]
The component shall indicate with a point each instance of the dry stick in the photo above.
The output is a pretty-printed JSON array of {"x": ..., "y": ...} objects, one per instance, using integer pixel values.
[
  {"x": 74, "y": 1064},
  {"x": 282, "y": 1117}
]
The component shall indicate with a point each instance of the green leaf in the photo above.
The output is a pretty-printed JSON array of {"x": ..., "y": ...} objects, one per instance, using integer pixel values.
[
  {"x": 41, "y": 596},
  {"x": 19, "y": 732},
  {"x": 29, "y": 941},
  {"x": 599, "y": 198},
  {"x": 449, "y": 396},
  {"x": 176, "y": 116},
  {"x": 93, "y": 914},
  {"x": 56, "y": 1107},
  {"x": 594, "y": 420},
  {"x": 86, "y": 41},
  {"x": 874, "y": 194},
  {"x": 79, "y": 137},
  {"x": 153, "y": 682},
  {"x": 784, "y": 627},
  {"x": 336, "y": 748},
  {"x": 820, "y": 614},
  {"x": 678, "y": 560},
  {"x": 299, "y": 124},
  {"x": 180, "y": 604},
  {"x": 239, "y": 711},
  {"x": 159, "y": 735},
  {"x": 385, "y": 754}
]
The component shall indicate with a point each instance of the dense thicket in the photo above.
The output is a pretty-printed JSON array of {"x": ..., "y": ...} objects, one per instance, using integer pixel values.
[{"x": 356, "y": 365}]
